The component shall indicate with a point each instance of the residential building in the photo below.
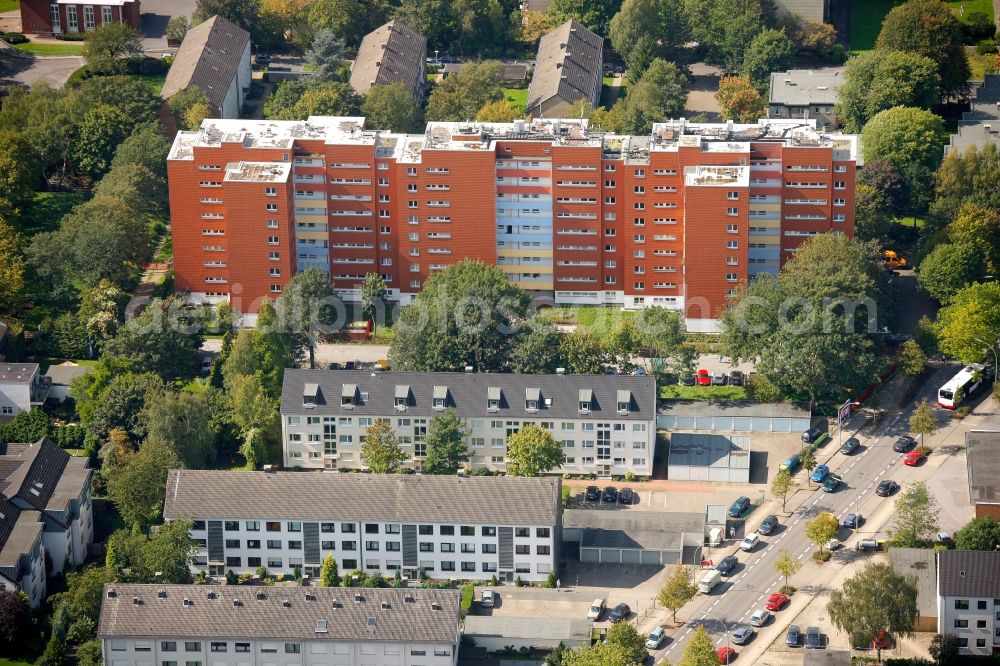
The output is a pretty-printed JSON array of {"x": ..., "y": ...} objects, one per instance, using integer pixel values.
[
  {"x": 22, "y": 552},
  {"x": 980, "y": 125},
  {"x": 969, "y": 599},
  {"x": 229, "y": 625},
  {"x": 442, "y": 526},
  {"x": 21, "y": 388},
  {"x": 921, "y": 563},
  {"x": 568, "y": 68},
  {"x": 803, "y": 93},
  {"x": 815, "y": 11},
  {"x": 215, "y": 58},
  {"x": 59, "y": 17},
  {"x": 393, "y": 53},
  {"x": 62, "y": 376},
  {"x": 677, "y": 219},
  {"x": 606, "y": 423},
  {"x": 982, "y": 448},
  {"x": 42, "y": 478}
]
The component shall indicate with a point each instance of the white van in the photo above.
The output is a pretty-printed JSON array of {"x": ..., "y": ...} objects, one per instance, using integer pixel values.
[
  {"x": 750, "y": 542},
  {"x": 708, "y": 583},
  {"x": 596, "y": 609}
]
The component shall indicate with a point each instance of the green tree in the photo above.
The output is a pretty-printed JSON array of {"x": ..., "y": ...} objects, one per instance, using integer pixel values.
[
  {"x": 699, "y": 651},
  {"x": 255, "y": 415},
  {"x": 808, "y": 462},
  {"x": 118, "y": 403},
  {"x": 138, "y": 187},
  {"x": 29, "y": 425},
  {"x": 381, "y": 453},
  {"x": 982, "y": 533},
  {"x": 159, "y": 341},
  {"x": 15, "y": 621},
  {"x": 658, "y": 96},
  {"x": 90, "y": 654},
  {"x": 903, "y": 136},
  {"x": 963, "y": 178},
  {"x": 584, "y": 353},
  {"x": 973, "y": 314},
  {"x": 244, "y": 13},
  {"x": 659, "y": 22},
  {"x": 625, "y": 636},
  {"x": 138, "y": 488},
  {"x": 873, "y": 600},
  {"x": 978, "y": 226},
  {"x": 102, "y": 129},
  {"x": 392, "y": 107},
  {"x": 532, "y": 451},
  {"x": 912, "y": 358},
  {"x": 299, "y": 99},
  {"x": 167, "y": 551},
  {"x": 537, "y": 350},
  {"x": 922, "y": 421},
  {"x": 461, "y": 95},
  {"x": 931, "y": 29},
  {"x": 915, "y": 519},
  {"x": 944, "y": 649},
  {"x": 871, "y": 215},
  {"x": 661, "y": 330},
  {"x": 434, "y": 19},
  {"x": 146, "y": 145},
  {"x": 740, "y": 100},
  {"x": 770, "y": 51},
  {"x": 446, "y": 448},
  {"x": 182, "y": 421},
  {"x": 105, "y": 45},
  {"x": 786, "y": 566},
  {"x": 329, "y": 576},
  {"x": 177, "y": 28},
  {"x": 349, "y": 20},
  {"x": 130, "y": 95},
  {"x": 182, "y": 102},
  {"x": 881, "y": 79},
  {"x": 326, "y": 56},
  {"x": 821, "y": 529},
  {"x": 595, "y": 14},
  {"x": 782, "y": 485},
  {"x": 19, "y": 174},
  {"x": 464, "y": 315},
  {"x": 678, "y": 589},
  {"x": 949, "y": 268},
  {"x": 373, "y": 293},
  {"x": 499, "y": 111},
  {"x": 307, "y": 310},
  {"x": 888, "y": 182}
]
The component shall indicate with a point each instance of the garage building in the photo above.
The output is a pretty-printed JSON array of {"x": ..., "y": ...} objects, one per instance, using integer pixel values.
[
  {"x": 635, "y": 537},
  {"x": 706, "y": 457},
  {"x": 497, "y": 632},
  {"x": 732, "y": 416}
]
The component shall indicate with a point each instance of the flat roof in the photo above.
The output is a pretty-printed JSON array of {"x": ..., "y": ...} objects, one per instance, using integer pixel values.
[
  {"x": 529, "y": 628},
  {"x": 709, "y": 450},
  {"x": 804, "y": 87},
  {"x": 258, "y": 172},
  {"x": 983, "y": 461},
  {"x": 646, "y": 530},
  {"x": 732, "y": 408},
  {"x": 17, "y": 373},
  {"x": 922, "y": 563}
]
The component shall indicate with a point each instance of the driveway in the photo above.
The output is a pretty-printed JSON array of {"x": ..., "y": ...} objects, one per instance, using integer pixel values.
[
  {"x": 27, "y": 69},
  {"x": 155, "y": 14},
  {"x": 701, "y": 95}
]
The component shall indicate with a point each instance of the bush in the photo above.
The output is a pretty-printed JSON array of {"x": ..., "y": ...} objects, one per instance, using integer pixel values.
[
  {"x": 81, "y": 75},
  {"x": 13, "y": 38},
  {"x": 629, "y": 476},
  {"x": 468, "y": 594},
  {"x": 72, "y": 37},
  {"x": 69, "y": 436},
  {"x": 961, "y": 413},
  {"x": 788, "y": 590},
  {"x": 822, "y": 556},
  {"x": 985, "y": 46},
  {"x": 978, "y": 26},
  {"x": 762, "y": 389}
]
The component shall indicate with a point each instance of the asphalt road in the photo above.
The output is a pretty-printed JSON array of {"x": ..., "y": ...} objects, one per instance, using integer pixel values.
[{"x": 739, "y": 595}]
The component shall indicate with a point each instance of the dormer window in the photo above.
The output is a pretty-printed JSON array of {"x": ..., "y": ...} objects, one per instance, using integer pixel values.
[
  {"x": 348, "y": 396},
  {"x": 624, "y": 402},
  {"x": 493, "y": 399},
  {"x": 310, "y": 395},
  {"x": 585, "y": 400},
  {"x": 440, "y": 397},
  {"x": 401, "y": 398},
  {"x": 532, "y": 396}
]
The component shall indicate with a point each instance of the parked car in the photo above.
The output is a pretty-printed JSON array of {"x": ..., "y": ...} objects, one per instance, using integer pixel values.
[
  {"x": 851, "y": 445},
  {"x": 263, "y": 58},
  {"x": 749, "y": 542},
  {"x": 819, "y": 474},
  {"x": 726, "y": 565},
  {"x": 776, "y": 601},
  {"x": 742, "y": 634},
  {"x": 610, "y": 495},
  {"x": 488, "y": 599},
  {"x": 760, "y": 617},
  {"x": 832, "y": 484},
  {"x": 689, "y": 380},
  {"x": 768, "y": 525},
  {"x": 739, "y": 507},
  {"x": 639, "y": 372},
  {"x": 793, "y": 636},
  {"x": 592, "y": 494},
  {"x": 736, "y": 378},
  {"x": 619, "y": 613},
  {"x": 832, "y": 544},
  {"x": 626, "y": 496},
  {"x": 704, "y": 379},
  {"x": 719, "y": 379},
  {"x": 655, "y": 638},
  {"x": 792, "y": 463},
  {"x": 914, "y": 457},
  {"x": 725, "y": 654},
  {"x": 810, "y": 436},
  {"x": 904, "y": 444},
  {"x": 596, "y": 609},
  {"x": 813, "y": 638},
  {"x": 867, "y": 544},
  {"x": 886, "y": 488},
  {"x": 852, "y": 521}
]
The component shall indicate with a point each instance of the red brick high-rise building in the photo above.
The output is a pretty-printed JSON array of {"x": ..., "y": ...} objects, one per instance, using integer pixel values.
[{"x": 678, "y": 218}]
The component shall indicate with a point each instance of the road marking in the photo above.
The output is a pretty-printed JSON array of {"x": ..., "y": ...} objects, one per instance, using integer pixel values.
[{"x": 801, "y": 556}]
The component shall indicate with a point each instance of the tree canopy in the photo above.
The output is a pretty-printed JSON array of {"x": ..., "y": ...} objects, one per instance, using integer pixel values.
[
  {"x": 904, "y": 136},
  {"x": 660, "y": 23},
  {"x": 532, "y": 451},
  {"x": 770, "y": 51},
  {"x": 881, "y": 79},
  {"x": 982, "y": 533},
  {"x": 915, "y": 519},
  {"x": 950, "y": 267},
  {"x": 873, "y": 600},
  {"x": 381, "y": 453},
  {"x": 392, "y": 107},
  {"x": 740, "y": 100},
  {"x": 972, "y": 315},
  {"x": 446, "y": 448},
  {"x": 461, "y": 95}
]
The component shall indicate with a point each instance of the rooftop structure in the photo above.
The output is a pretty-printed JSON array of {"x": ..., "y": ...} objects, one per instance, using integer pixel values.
[
  {"x": 393, "y": 53},
  {"x": 258, "y": 172},
  {"x": 980, "y": 125},
  {"x": 567, "y": 69},
  {"x": 17, "y": 373},
  {"x": 983, "y": 460},
  {"x": 922, "y": 564},
  {"x": 804, "y": 87}
]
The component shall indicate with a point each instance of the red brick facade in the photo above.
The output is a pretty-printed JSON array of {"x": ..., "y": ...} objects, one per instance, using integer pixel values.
[{"x": 37, "y": 16}]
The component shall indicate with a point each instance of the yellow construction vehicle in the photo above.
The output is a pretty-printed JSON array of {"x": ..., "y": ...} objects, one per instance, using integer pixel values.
[{"x": 893, "y": 260}]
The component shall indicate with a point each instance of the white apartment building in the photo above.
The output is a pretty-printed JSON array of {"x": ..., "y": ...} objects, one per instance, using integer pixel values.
[
  {"x": 606, "y": 423},
  {"x": 969, "y": 599},
  {"x": 21, "y": 388},
  {"x": 211, "y": 625},
  {"x": 469, "y": 528},
  {"x": 22, "y": 552}
]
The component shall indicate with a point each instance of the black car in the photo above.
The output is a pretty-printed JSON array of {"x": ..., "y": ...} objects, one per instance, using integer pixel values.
[
  {"x": 726, "y": 565},
  {"x": 626, "y": 496},
  {"x": 619, "y": 613},
  {"x": 850, "y": 446},
  {"x": 736, "y": 378},
  {"x": 768, "y": 525},
  {"x": 793, "y": 636},
  {"x": 610, "y": 495},
  {"x": 809, "y": 436},
  {"x": 904, "y": 444},
  {"x": 689, "y": 380},
  {"x": 886, "y": 488},
  {"x": 592, "y": 494},
  {"x": 739, "y": 507},
  {"x": 813, "y": 638},
  {"x": 350, "y": 365}
]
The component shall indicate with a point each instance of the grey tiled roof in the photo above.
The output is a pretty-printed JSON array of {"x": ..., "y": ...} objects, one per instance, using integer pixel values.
[
  {"x": 329, "y": 496},
  {"x": 468, "y": 394},
  {"x": 64, "y": 374},
  {"x": 20, "y": 529},
  {"x": 983, "y": 460},
  {"x": 17, "y": 373},
  {"x": 209, "y": 58},
  {"x": 44, "y": 476},
  {"x": 803, "y": 87},
  {"x": 568, "y": 64},
  {"x": 969, "y": 573},
  {"x": 271, "y": 619},
  {"x": 389, "y": 54}
]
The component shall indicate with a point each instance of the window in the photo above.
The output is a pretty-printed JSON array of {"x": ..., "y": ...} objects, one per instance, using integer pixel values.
[
  {"x": 192, "y": 646},
  {"x": 731, "y": 277},
  {"x": 961, "y": 604},
  {"x": 293, "y": 648},
  {"x": 242, "y": 647},
  {"x": 271, "y": 208},
  {"x": 542, "y": 532},
  {"x": 88, "y": 17},
  {"x": 732, "y": 245},
  {"x": 294, "y": 527},
  {"x": 732, "y": 212},
  {"x": 447, "y": 530},
  {"x": 981, "y": 604},
  {"x": 106, "y": 14},
  {"x": 168, "y": 646},
  {"x": 219, "y": 647},
  {"x": 732, "y": 196},
  {"x": 839, "y": 185},
  {"x": 961, "y": 624},
  {"x": 272, "y": 526},
  {"x": 732, "y": 228},
  {"x": 71, "y": 21}
]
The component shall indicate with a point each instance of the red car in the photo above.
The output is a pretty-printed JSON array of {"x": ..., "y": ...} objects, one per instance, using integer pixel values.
[
  {"x": 776, "y": 601},
  {"x": 914, "y": 457},
  {"x": 725, "y": 654},
  {"x": 881, "y": 642},
  {"x": 704, "y": 379}
]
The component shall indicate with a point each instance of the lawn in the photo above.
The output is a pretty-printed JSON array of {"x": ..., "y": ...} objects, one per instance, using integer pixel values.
[
  {"x": 48, "y": 209},
  {"x": 984, "y": 6},
  {"x": 598, "y": 320},
  {"x": 9, "y": 5},
  {"x": 980, "y": 64},
  {"x": 516, "y": 97},
  {"x": 681, "y": 392},
  {"x": 155, "y": 82},
  {"x": 15, "y": 662},
  {"x": 867, "y": 15},
  {"x": 63, "y": 49}
]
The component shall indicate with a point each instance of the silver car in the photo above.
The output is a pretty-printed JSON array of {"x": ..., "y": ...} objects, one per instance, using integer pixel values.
[
  {"x": 742, "y": 634},
  {"x": 760, "y": 617}
]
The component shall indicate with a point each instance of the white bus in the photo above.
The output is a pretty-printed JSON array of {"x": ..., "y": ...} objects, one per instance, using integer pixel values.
[{"x": 962, "y": 385}]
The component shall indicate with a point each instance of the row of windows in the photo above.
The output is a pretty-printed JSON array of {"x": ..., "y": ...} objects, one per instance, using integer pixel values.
[
  {"x": 370, "y": 528},
  {"x": 265, "y": 648}
]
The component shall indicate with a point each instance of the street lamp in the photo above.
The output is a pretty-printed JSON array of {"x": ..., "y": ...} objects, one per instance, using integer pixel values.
[
  {"x": 996, "y": 359},
  {"x": 725, "y": 629}
]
